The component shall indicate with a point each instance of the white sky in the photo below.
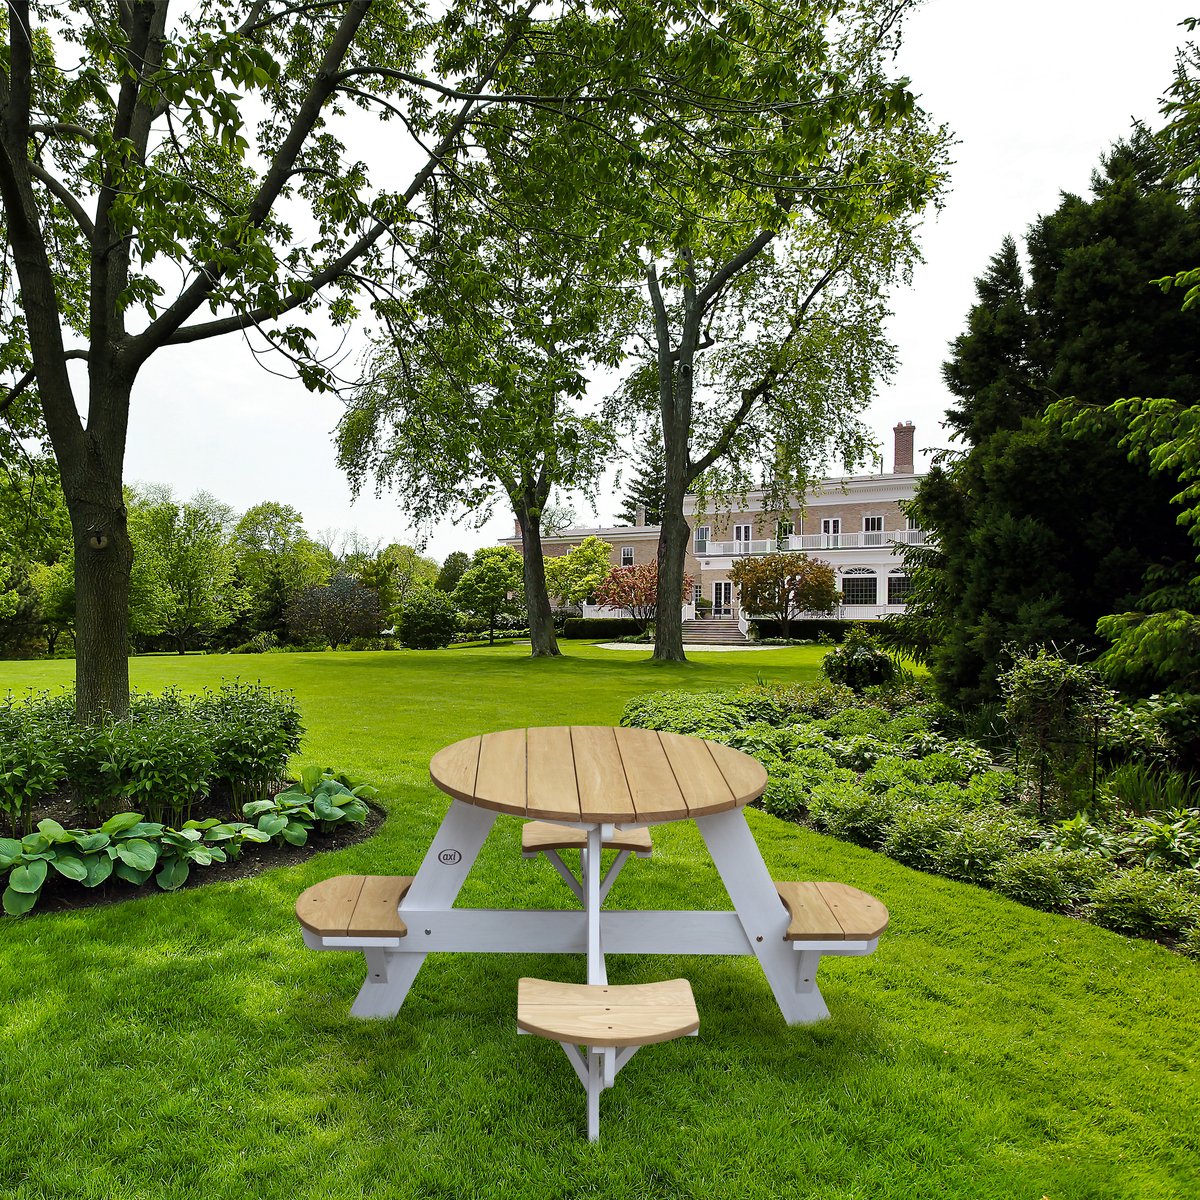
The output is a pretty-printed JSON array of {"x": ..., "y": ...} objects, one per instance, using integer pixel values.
[{"x": 1034, "y": 90}]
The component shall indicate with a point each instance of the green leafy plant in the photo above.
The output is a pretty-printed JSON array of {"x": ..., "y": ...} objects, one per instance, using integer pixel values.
[
  {"x": 318, "y": 798},
  {"x": 858, "y": 662},
  {"x": 1144, "y": 902}
]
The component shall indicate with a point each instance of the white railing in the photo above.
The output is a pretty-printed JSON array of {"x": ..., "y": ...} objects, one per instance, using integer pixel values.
[
  {"x": 852, "y": 612},
  {"x": 603, "y": 611},
  {"x": 811, "y": 541},
  {"x": 735, "y": 549}
]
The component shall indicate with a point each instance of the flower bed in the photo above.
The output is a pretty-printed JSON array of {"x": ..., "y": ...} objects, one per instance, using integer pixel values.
[
  {"x": 183, "y": 782},
  {"x": 881, "y": 769}
]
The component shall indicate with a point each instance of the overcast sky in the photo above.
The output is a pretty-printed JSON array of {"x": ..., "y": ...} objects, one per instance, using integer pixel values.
[{"x": 1034, "y": 91}]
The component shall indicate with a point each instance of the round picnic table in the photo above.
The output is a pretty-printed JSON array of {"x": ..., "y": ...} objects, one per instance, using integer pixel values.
[{"x": 597, "y": 775}]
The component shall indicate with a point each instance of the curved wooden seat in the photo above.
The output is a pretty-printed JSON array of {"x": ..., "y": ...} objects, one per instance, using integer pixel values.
[
  {"x": 635, "y": 1014},
  {"x": 831, "y": 912},
  {"x": 354, "y": 906},
  {"x": 537, "y": 836}
]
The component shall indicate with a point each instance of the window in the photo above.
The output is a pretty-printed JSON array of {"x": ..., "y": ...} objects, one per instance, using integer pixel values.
[
  {"x": 703, "y": 533},
  {"x": 859, "y": 589},
  {"x": 697, "y": 593},
  {"x": 910, "y": 523},
  {"x": 742, "y": 533},
  {"x": 872, "y": 524},
  {"x": 627, "y": 556},
  {"x": 831, "y": 531},
  {"x": 899, "y": 587}
]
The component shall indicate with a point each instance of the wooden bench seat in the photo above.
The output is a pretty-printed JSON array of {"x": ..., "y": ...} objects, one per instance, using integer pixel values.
[
  {"x": 831, "y": 912},
  {"x": 354, "y": 906},
  {"x": 539, "y": 836},
  {"x": 636, "y": 1014}
]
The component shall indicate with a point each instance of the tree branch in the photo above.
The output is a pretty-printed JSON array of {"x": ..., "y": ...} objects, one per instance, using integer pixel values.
[{"x": 60, "y": 191}]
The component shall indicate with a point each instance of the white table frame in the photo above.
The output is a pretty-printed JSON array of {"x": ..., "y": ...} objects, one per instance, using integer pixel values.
[{"x": 756, "y": 926}]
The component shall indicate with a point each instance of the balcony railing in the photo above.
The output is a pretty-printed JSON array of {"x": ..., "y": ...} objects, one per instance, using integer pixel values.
[{"x": 811, "y": 541}]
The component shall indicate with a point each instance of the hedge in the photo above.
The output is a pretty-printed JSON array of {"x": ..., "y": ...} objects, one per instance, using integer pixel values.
[
  {"x": 600, "y": 627},
  {"x": 768, "y": 627}
]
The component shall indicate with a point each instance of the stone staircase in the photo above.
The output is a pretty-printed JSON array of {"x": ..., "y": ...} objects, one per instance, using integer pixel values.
[{"x": 713, "y": 631}]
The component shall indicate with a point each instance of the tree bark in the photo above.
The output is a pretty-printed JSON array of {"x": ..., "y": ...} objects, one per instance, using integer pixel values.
[
  {"x": 103, "y": 558},
  {"x": 537, "y": 600}
]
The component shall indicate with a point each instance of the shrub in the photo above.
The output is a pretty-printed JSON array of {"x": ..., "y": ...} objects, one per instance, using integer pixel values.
[
  {"x": 1143, "y": 902},
  {"x": 979, "y": 843},
  {"x": 429, "y": 620},
  {"x": 1170, "y": 841},
  {"x": 805, "y": 701},
  {"x": 917, "y": 836},
  {"x": 850, "y": 812},
  {"x": 858, "y": 662},
  {"x": 253, "y": 731},
  {"x": 1051, "y": 880},
  {"x": 703, "y": 714}
]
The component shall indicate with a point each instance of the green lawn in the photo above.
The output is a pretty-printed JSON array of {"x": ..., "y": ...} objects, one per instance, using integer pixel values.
[{"x": 190, "y": 1045}]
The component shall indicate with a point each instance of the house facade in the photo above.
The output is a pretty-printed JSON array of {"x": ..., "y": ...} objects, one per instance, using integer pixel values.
[{"x": 856, "y": 524}]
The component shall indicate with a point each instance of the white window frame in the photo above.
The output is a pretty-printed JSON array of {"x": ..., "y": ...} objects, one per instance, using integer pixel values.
[
  {"x": 869, "y": 528},
  {"x": 627, "y": 553},
  {"x": 743, "y": 533},
  {"x": 701, "y": 536}
]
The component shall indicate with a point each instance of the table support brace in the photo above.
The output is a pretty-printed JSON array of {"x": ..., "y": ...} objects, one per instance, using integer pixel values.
[{"x": 762, "y": 915}]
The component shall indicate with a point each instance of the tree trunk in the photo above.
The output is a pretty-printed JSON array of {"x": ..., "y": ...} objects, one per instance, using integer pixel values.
[
  {"x": 103, "y": 558},
  {"x": 537, "y": 600},
  {"x": 672, "y": 552}
]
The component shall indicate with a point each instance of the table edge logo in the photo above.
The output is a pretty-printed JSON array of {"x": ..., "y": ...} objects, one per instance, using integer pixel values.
[{"x": 449, "y": 858}]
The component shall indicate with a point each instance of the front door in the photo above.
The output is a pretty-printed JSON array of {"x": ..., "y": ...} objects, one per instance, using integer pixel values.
[{"x": 723, "y": 599}]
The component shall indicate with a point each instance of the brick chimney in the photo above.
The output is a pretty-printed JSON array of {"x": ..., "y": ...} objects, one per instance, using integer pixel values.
[{"x": 903, "y": 462}]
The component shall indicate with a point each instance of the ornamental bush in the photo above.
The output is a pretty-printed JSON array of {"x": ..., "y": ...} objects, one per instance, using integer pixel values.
[
  {"x": 1144, "y": 902},
  {"x": 429, "y": 620},
  {"x": 858, "y": 662}
]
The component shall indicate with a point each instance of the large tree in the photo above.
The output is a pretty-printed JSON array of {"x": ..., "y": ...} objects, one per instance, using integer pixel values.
[
  {"x": 276, "y": 560},
  {"x": 172, "y": 174},
  {"x": 473, "y": 395},
  {"x": 185, "y": 548},
  {"x": 1037, "y": 534},
  {"x": 765, "y": 290}
]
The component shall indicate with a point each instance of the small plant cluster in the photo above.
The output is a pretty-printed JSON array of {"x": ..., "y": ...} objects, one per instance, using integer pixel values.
[
  {"x": 163, "y": 759},
  {"x": 132, "y": 849},
  {"x": 859, "y": 662},
  {"x": 882, "y": 768}
]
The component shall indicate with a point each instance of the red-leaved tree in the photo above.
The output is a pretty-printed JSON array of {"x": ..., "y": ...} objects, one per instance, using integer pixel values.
[{"x": 635, "y": 589}]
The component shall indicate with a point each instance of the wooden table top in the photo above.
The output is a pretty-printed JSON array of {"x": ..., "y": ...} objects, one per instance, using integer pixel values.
[{"x": 595, "y": 774}]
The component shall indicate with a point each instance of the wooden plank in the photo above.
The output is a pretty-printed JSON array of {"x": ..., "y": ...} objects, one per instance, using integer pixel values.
[
  {"x": 606, "y": 1014},
  {"x": 326, "y": 907},
  {"x": 500, "y": 783},
  {"x": 812, "y": 918},
  {"x": 656, "y": 794},
  {"x": 746, "y": 776},
  {"x": 375, "y": 913},
  {"x": 699, "y": 778},
  {"x": 454, "y": 768},
  {"x": 542, "y": 835},
  {"x": 600, "y": 776},
  {"x": 551, "y": 790},
  {"x": 860, "y": 915}
]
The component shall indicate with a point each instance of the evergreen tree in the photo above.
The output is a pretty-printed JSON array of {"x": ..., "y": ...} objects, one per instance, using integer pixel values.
[
  {"x": 648, "y": 484},
  {"x": 1039, "y": 534}
]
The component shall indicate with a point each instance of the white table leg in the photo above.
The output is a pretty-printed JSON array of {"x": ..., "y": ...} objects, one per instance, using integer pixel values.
[
  {"x": 762, "y": 914},
  {"x": 447, "y": 863},
  {"x": 591, "y": 889}
]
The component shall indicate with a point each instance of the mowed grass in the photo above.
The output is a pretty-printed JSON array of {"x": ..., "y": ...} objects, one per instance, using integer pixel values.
[{"x": 189, "y": 1045}]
